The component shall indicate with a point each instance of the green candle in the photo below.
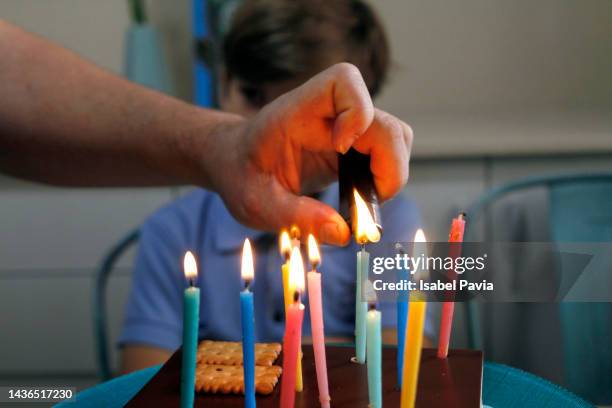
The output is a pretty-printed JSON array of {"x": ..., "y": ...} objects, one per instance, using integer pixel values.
[
  {"x": 365, "y": 231},
  {"x": 191, "y": 320},
  {"x": 361, "y": 307}
]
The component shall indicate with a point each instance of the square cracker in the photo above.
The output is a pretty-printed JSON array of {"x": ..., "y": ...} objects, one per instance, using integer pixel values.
[
  {"x": 229, "y": 379},
  {"x": 230, "y": 353}
]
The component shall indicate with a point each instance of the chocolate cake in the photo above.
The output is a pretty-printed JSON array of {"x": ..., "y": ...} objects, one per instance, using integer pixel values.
[{"x": 453, "y": 382}]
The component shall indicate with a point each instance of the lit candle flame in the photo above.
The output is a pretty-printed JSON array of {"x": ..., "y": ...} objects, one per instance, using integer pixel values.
[
  {"x": 313, "y": 252},
  {"x": 285, "y": 244},
  {"x": 420, "y": 236},
  {"x": 295, "y": 232},
  {"x": 296, "y": 271},
  {"x": 367, "y": 231},
  {"x": 247, "y": 271},
  {"x": 190, "y": 266},
  {"x": 420, "y": 249}
]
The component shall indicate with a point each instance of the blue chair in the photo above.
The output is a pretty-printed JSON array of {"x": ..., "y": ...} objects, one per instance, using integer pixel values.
[
  {"x": 579, "y": 210},
  {"x": 99, "y": 302}
]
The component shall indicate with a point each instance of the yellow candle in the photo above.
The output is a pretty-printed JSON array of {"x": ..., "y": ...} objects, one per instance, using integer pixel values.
[
  {"x": 414, "y": 330},
  {"x": 412, "y": 352},
  {"x": 286, "y": 294}
]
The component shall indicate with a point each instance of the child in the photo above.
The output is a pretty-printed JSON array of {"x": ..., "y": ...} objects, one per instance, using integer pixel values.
[{"x": 272, "y": 47}]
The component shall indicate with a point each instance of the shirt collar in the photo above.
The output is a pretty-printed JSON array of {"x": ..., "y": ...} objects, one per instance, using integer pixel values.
[{"x": 229, "y": 234}]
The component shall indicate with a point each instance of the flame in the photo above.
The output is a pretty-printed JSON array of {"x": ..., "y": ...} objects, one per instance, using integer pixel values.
[
  {"x": 420, "y": 236},
  {"x": 190, "y": 266},
  {"x": 247, "y": 271},
  {"x": 295, "y": 232},
  {"x": 420, "y": 249},
  {"x": 285, "y": 244},
  {"x": 366, "y": 230},
  {"x": 313, "y": 251},
  {"x": 296, "y": 271}
]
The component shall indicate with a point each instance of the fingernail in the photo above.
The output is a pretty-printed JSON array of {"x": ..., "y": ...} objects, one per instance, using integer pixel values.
[{"x": 341, "y": 148}]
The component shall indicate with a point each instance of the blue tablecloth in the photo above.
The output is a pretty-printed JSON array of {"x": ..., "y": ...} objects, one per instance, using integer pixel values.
[{"x": 503, "y": 387}]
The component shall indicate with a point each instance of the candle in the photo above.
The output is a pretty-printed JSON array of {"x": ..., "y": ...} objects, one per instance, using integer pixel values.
[
  {"x": 402, "y": 318},
  {"x": 191, "y": 320},
  {"x": 414, "y": 331},
  {"x": 295, "y": 234},
  {"x": 286, "y": 244},
  {"x": 365, "y": 231},
  {"x": 248, "y": 326},
  {"x": 455, "y": 237},
  {"x": 374, "y": 349},
  {"x": 285, "y": 250},
  {"x": 361, "y": 307},
  {"x": 293, "y": 330},
  {"x": 316, "y": 321}
]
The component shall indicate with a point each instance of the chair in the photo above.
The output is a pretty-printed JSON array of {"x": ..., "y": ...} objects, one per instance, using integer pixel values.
[
  {"x": 99, "y": 301},
  {"x": 579, "y": 210}
]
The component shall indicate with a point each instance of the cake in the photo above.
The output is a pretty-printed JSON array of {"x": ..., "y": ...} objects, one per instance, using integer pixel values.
[{"x": 452, "y": 382}]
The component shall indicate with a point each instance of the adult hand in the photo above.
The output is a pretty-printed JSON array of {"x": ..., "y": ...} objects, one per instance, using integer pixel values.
[{"x": 265, "y": 166}]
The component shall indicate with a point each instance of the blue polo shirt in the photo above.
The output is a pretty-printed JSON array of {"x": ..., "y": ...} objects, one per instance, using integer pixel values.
[{"x": 200, "y": 222}]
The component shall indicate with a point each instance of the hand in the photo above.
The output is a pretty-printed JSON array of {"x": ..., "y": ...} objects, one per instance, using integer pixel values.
[{"x": 290, "y": 148}]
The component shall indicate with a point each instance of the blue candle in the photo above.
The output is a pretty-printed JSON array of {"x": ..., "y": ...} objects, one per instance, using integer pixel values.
[
  {"x": 402, "y": 318},
  {"x": 248, "y": 327},
  {"x": 191, "y": 319},
  {"x": 374, "y": 350}
]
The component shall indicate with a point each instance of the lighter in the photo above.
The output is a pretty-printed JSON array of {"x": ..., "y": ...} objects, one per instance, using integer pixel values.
[{"x": 354, "y": 173}]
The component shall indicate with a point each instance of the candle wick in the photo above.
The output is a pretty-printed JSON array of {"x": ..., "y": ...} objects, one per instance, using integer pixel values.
[
  {"x": 372, "y": 306},
  {"x": 191, "y": 282},
  {"x": 296, "y": 296},
  {"x": 462, "y": 216},
  {"x": 247, "y": 284},
  {"x": 363, "y": 245}
]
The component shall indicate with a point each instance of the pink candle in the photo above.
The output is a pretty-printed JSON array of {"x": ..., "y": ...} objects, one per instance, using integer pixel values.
[
  {"x": 448, "y": 308},
  {"x": 316, "y": 321},
  {"x": 293, "y": 330}
]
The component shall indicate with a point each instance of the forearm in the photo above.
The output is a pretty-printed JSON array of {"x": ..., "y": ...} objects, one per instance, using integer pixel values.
[{"x": 65, "y": 121}]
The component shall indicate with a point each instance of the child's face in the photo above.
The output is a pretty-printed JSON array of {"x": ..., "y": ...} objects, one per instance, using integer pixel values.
[{"x": 246, "y": 99}]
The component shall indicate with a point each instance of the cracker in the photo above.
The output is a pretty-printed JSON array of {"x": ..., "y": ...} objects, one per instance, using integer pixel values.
[
  {"x": 230, "y": 353},
  {"x": 229, "y": 379}
]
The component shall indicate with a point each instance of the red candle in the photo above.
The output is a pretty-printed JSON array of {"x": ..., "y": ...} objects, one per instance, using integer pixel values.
[
  {"x": 293, "y": 329},
  {"x": 448, "y": 307}
]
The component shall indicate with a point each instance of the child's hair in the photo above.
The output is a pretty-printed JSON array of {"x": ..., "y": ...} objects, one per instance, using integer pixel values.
[{"x": 275, "y": 40}]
